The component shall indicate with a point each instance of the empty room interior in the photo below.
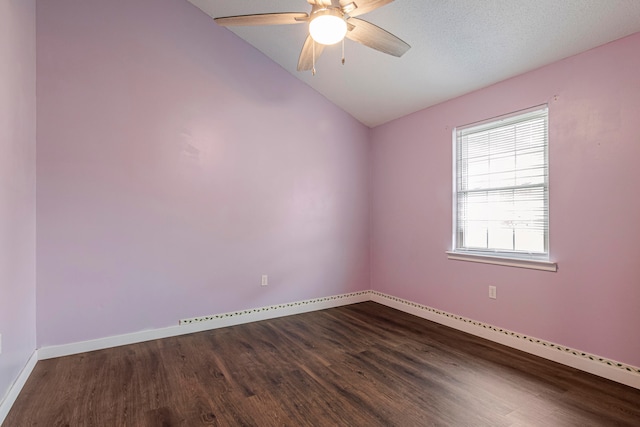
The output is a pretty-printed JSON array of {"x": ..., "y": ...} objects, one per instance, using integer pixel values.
[{"x": 434, "y": 221}]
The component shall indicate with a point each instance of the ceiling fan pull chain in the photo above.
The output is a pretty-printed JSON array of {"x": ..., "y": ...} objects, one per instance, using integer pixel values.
[
  {"x": 313, "y": 48},
  {"x": 342, "y": 51}
]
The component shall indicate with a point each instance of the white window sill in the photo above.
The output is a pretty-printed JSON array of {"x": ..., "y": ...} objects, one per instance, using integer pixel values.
[{"x": 510, "y": 262}]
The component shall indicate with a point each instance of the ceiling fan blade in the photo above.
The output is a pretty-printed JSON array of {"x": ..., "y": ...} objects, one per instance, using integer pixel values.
[
  {"x": 263, "y": 19},
  {"x": 375, "y": 37},
  {"x": 305, "y": 62},
  {"x": 364, "y": 6}
]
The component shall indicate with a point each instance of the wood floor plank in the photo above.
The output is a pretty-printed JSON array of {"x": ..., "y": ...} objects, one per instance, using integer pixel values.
[{"x": 358, "y": 365}]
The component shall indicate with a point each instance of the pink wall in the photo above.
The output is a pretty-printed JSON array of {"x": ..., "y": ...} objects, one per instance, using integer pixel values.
[
  {"x": 176, "y": 164},
  {"x": 17, "y": 187},
  {"x": 593, "y": 302}
]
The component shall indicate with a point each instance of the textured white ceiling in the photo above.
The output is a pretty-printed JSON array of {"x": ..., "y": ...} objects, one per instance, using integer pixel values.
[{"x": 457, "y": 46}]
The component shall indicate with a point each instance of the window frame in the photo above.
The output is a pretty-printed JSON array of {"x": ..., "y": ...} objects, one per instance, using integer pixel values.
[{"x": 514, "y": 258}]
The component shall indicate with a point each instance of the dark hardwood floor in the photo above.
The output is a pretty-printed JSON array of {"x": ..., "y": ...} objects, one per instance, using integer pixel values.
[{"x": 358, "y": 365}]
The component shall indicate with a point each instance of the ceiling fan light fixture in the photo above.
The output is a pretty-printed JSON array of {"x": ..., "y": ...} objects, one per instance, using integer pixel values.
[{"x": 328, "y": 26}]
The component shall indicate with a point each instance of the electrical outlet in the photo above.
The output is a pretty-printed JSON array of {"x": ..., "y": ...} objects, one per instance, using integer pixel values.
[
  {"x": 492, "y": 292},
  {"x": 265, "y": 280}
]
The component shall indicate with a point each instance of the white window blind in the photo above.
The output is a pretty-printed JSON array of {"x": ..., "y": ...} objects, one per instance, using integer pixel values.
[{"x": 502, "y": 186}]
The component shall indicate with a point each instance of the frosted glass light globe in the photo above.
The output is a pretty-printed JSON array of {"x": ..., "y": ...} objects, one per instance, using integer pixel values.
[{"x": 328, "y": 27}]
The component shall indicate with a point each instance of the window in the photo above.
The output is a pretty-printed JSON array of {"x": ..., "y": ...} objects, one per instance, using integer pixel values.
[{"x": 501, "y": 201}]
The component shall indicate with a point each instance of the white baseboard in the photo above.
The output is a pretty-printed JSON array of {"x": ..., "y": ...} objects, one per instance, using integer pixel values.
[
  {"x": 199, "y": 324},
  {"x": 16, "y": 387},
  {"x": 606, "y": 368}
]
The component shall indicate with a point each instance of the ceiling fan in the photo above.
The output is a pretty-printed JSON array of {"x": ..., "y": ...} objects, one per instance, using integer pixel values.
[{"x": 330, "y": 21}]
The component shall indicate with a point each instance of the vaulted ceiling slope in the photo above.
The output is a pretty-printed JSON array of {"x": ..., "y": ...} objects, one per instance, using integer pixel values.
[{"x": 457, "y": 46}]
